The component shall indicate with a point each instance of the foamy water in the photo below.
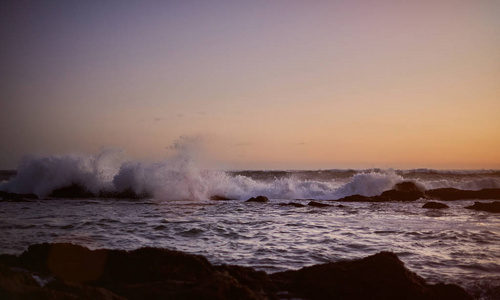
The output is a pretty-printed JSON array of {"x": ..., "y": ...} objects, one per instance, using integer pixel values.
[
  {"x": 454, "y": 245},
  {"x": 179, "y": 178}
]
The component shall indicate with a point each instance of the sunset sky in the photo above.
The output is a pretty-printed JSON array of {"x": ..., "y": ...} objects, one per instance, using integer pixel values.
[{"x": 262, "y": 84}]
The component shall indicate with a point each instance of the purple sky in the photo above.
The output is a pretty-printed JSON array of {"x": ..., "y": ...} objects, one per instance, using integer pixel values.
[{"x": 267, "y": 84}]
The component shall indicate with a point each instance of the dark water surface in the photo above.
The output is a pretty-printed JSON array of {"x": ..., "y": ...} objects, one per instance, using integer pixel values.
[{"x": 455, "y": 245}]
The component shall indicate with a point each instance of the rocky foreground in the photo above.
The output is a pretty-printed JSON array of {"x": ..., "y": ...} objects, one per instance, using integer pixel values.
[{"x": 67, "y": 271}]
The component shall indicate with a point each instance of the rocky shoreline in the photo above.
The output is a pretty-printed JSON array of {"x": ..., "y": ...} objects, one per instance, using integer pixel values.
[{"x": 67, "y": 271}]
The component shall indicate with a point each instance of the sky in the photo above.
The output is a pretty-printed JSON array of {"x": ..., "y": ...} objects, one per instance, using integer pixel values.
[{"x": 263, "y": 84}]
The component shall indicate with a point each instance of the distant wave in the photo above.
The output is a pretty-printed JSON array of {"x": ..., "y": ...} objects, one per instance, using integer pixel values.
[{"x": 179, "y": 178}]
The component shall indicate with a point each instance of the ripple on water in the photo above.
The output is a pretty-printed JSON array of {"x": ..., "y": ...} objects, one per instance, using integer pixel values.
[
  {"x": 160, "y": 227},
  {"x": 191, "y": 232}
]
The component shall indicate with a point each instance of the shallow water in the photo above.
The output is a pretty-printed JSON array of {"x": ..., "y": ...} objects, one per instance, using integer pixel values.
[{"x": 455, "y": 245}]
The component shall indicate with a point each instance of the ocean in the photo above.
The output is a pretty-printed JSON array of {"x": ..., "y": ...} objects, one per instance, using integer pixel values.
[{"x": 175, "y": 211}]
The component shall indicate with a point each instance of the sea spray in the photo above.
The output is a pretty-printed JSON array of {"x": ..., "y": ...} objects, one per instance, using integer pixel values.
[
  {"x": 42, "y": 175},
  {"x": 180, "y": 177},
  {"x": 369, "y": 184}
]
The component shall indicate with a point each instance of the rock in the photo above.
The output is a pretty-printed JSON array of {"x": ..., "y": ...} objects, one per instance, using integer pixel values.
[
  {"x": 6, "y": 175},
  {"x": 393, "y": 195},
  {"x": 407, "y": 186},
  {"x": 260, "y": 199},
  {"x": 6, "y": 196},
  {"x": 18, "y": 284},
  {"x": 493, "y": 207},
  {"x": 380, "y": 276},
  {"x": 73, "y": 191},
  {"x": 127, "y": 193},
  {"x": 219, "y": 198},
  {"x": 153, "y": 273},
  {"x": 317, "y": 204},
  {"x": 435, "y": 205},
  {"x": 292, "y": 204},
  {"x": 404, "y": 191},
  {"x": 143, "y": 273},
  {"x": 448, "y": 291},
  {"x": 450, "y": 194},
  {"x": 358, "y": 198}
]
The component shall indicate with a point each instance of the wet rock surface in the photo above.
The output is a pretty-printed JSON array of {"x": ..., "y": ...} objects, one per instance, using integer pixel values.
[
  {"x": 6, "y": 196},
  {"x": 318, "y": 204},
  {"x": 294, "y": 204},
  {"x": 380, "y": 276},
  {"x": 435, "y": 205},
  {"x": 403, "y": 191},
  {"x": 74, "y": 271},
  {"x": 450, "y": 194},
  {"x": 409, "y": 191},
  {"x": 493, "y": 207},
  {"x": 259, "y": 199}
]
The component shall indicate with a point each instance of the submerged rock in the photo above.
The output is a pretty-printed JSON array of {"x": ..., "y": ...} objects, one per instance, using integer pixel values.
[
  {"x": 435, "y": 205},
  {"x": 490, "y": 207},
  {"x": 219, "y": 198},
  {"x": 74, "y": 191},
  {"x": 145, "y": 273},
  {"x": 6, "y": 196},
  {"x": 125, "y": 194},
  {"x": 260, "y": 199},
  {"x": 294, "y": 204},
  {"x": 359, "y": 198},
  {"x": 318, "y": 204}
]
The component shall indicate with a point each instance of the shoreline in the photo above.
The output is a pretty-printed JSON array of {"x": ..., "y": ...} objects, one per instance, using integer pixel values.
[{"x": 60, "y": 270}]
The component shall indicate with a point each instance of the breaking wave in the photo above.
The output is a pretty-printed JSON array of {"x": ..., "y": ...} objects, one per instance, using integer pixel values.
[{"x": 179, "y": 178}]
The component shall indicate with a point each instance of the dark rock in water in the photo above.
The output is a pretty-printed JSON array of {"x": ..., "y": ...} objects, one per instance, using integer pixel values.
[
  {"x": 393, "y": 195},
  {"x": 490, "y": 207},
  {"x": 292, "y": 204},
  {"x": 165, "y": 274},
  {"x": 74, "y": 191},
  {"x": 450, "y": 194},
  {"x": 435, "y": 205},
  {"x": 404, "y": 191},
  {"x": 318, "y": 204},
  {"x": 380, "y": 276},
  {"x": 407, "y": 186},
  {"x": 409, "y": 191},
  {"x": 17, "y": 197},
  {"x": 6, "y": 175},
  {"x": 260, "y": 199},
  {"x": 125, "y": 194},
  {"x": 219, "y": 198},
  {"x": 357, "y": 198}
]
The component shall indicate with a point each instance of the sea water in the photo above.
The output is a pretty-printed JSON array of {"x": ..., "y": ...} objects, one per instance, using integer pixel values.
[{"x": 454, "y": 245}]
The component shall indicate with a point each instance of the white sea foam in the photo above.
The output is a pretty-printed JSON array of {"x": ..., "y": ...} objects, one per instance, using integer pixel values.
[
  {"x": 370, "y": 184},
  {"x": 42, "y": 175},
  {"x": 180, "y": 177}
]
